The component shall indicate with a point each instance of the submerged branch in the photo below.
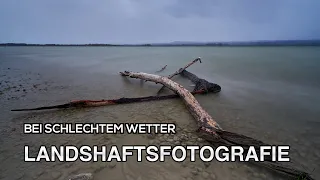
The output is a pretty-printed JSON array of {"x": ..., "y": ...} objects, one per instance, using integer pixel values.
[
  {"x": 96, "y": 103},
  {"x": 162, "y": 69}
]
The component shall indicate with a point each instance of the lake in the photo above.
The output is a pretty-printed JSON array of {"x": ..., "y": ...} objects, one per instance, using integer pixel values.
[{"x": 268, "y": 93}]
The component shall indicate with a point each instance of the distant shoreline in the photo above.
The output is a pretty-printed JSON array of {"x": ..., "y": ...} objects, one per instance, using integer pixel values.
[{"x": 255, "y": 43}]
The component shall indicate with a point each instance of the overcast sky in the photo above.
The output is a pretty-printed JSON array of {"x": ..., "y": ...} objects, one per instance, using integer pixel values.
[{"x": 148, "y": 21}]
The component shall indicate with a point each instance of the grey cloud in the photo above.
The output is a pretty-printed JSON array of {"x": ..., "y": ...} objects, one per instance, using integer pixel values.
[
  {"x": 251, "y": 10},
  {"x": 143, "y": 21}
]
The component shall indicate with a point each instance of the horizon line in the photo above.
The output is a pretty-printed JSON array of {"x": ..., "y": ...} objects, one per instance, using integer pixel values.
[{"x": 172, "y": 42}]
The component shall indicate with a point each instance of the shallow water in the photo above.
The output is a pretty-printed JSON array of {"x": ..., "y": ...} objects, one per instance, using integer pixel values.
[{"x": 268, "y": 93}]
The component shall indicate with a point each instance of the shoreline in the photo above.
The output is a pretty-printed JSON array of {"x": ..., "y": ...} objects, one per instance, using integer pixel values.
[{"x": 262, "y": 43}]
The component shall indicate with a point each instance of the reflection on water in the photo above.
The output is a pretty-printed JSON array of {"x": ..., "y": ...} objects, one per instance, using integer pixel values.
[{"x": 267, "y": 93}]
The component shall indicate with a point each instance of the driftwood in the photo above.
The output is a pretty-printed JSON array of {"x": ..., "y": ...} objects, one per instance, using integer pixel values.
[
  {"x": 103, "y": 102},
  {"x": 162, "y": 69},
  {"x": 202, "y": 117},
  {"x": 209, "y": 129},
  {"x": 201, "y": 84},
  {"x": 179, "y": 71}
]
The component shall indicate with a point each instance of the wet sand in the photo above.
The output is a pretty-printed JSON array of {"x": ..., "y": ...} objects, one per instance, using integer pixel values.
[{"x": 37, "y": 84}]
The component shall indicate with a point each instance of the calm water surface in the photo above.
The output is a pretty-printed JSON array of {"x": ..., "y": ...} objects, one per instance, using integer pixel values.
[{"x": 269, "y": 93}]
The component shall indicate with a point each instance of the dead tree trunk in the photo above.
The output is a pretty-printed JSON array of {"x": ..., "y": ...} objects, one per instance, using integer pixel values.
[
  {"x": 194, "y": 107},
  {"x": 209, "y": 129}
]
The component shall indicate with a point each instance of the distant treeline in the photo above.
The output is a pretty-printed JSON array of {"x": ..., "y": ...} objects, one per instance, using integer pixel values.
[
  {"x": 25, "y": 44},
  {"x": 255, "y": 43}
]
